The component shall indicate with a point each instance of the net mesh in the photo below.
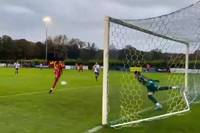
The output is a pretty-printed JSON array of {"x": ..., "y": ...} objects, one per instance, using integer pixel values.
[{"x": 129, "y": 47}]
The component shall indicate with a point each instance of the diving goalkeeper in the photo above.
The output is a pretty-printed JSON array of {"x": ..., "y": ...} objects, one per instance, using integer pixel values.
[{"x": 152, "y": 87}]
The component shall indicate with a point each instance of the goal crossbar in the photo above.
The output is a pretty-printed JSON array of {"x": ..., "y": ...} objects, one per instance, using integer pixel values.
[{"x": 121, "y": 22}]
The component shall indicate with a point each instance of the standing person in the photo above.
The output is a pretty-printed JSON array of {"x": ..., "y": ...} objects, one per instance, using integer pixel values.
[
  {"x": 58, "y": 70},
  {"x": 41, "y": 66},
  {"x": 80, "y": 68},
  {"x": 76, "y": 66},
  {"x": 17, "y": 66},
  {"x": 96, "y": 69},
  {"x": 148, "y": 67}
]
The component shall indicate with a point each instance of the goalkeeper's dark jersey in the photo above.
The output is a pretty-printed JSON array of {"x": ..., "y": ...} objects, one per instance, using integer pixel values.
[{"x": 152, "y": 85}]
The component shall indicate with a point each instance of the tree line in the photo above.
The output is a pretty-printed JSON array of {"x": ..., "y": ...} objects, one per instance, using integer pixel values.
[
  {"x": 59, "y": 48},
  {"x": 74, "y": 51}
]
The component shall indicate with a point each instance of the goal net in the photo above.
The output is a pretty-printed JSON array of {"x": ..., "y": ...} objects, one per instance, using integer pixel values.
[{"x": 163, "y": 49}]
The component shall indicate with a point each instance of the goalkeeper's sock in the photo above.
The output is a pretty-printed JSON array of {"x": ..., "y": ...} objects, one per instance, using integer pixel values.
[
  {"x": 163, "y": 88},
  {"x": 174, "y": 87}
]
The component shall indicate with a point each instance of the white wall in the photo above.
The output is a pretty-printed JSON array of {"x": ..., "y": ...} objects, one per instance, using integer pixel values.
[{"x": 182, "y": 70}]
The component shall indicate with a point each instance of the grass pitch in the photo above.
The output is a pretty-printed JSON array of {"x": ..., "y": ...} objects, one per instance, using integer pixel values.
[{"x": 26, "y": 106}]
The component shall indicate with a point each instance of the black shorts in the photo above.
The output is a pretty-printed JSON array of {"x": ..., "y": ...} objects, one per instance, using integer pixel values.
[
  {"x": 96, "y": 73},
  {"x": 16, "y": 69},
  {"x": 153, "y": 90}
]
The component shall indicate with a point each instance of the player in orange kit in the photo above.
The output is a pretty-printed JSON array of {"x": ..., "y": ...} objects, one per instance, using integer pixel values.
[{"x": 58, "y": 70}]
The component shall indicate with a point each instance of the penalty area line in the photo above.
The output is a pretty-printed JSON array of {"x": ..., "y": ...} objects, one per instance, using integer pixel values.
[{"x": 94, "y": 129}]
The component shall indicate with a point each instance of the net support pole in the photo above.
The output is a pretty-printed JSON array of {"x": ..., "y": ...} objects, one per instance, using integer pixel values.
[
  {"x": 186, "y": 75},
  {"x": 105, "y": 72},
  {"x": 186, "y": 67}
]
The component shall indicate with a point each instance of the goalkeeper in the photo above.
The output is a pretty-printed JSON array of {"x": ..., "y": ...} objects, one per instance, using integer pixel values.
[{"x": 152, "y": 87}]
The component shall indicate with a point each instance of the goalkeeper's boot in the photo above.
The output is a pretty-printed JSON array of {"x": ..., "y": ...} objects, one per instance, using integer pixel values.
[
  {"x": 178, "y": 89},
  {"x": 175, "y": 87},
  {"x": 158, "y": 106}
]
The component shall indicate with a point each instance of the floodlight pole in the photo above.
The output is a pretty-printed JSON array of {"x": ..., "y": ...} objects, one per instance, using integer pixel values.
[
  {"x": 46, "y": 21},
  {"x": 46, "y": 42},
  {"x": 105, "y": 71}
]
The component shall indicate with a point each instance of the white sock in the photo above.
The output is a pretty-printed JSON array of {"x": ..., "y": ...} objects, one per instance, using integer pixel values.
[
  {"x": 174, "y": 87},
  {"x": 158, "y": 104}
]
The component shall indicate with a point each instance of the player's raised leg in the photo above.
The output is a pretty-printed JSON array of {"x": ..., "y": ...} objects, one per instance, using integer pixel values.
[{"x": 52, "y": 90}]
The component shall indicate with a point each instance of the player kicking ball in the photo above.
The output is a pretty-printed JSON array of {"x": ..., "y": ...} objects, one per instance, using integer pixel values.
[
  {"x": 96, "y": 69},
  {"x": 152, "y": 87},
  {"x": 58, "y": 70}
]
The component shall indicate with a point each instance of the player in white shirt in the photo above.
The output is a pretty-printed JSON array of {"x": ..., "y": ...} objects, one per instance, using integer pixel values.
[
  {"x": 17, "y": 66},
  {"x": 96, "y": 69},
  {"x": 41, "y": 66}
]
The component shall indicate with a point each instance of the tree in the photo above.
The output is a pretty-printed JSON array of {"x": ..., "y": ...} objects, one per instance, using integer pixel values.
[
  {"x": 60, "y": 48},
  {"x": 7, "y": 47},
  {"x": 73, "y": 51}
]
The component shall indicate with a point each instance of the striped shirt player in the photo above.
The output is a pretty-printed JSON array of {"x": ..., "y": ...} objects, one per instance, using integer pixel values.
[
  {"x": 96, "y": 69},
  {"x": 17, "y": 66},
  {"x": 152, "y": 87}
]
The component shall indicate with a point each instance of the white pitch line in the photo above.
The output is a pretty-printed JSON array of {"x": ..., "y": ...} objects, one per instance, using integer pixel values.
[
  {"x": 22, "y": 94},
  {"x": 145, "y": 110},
  {"x": 41, "y": 92},
  {"x": 94, "y": 129}
]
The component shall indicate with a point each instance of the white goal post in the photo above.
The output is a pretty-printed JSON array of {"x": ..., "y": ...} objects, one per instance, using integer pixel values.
[
  {"x": 105, "y": 72},
  {"x": 106, "y": 89}
]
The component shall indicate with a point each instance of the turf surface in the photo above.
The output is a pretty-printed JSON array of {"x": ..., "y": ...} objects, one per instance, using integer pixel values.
[{"x": 26, "y": 106}]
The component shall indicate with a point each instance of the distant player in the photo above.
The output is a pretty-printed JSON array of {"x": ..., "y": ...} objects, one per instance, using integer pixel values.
[
  {"x": 152, "y": 87},
  {"x": 148, "y": 66},
  {"x": 76, "y": 66},
  {"x": 96, "y": 69},
  {"x": 80, "y": 68},
  {"x": 17, "y": 66},
  {"x": 41, "y": 66},
  {"x": 58, "y": 70}
]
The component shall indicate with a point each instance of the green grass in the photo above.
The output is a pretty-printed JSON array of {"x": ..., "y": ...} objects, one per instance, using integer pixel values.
[{"x": 26, "y": 106}]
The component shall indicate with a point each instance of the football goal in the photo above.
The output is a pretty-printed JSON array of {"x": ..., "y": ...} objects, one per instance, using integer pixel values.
[{"x": 165, "y": 52}]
